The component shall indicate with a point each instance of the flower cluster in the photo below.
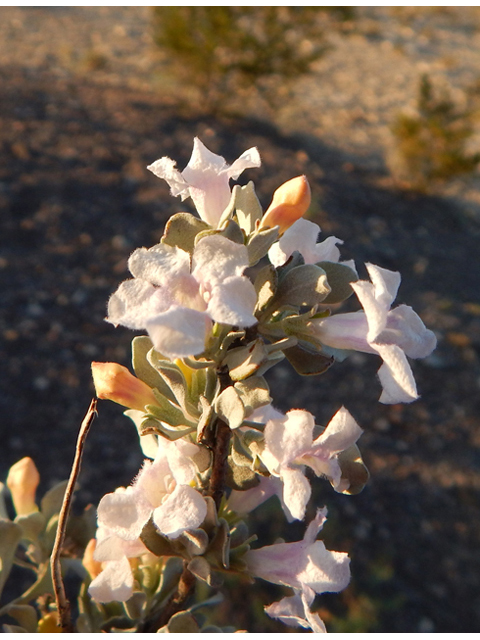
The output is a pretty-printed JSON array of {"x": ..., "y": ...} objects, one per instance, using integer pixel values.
[{"x": 223, "y": 297}]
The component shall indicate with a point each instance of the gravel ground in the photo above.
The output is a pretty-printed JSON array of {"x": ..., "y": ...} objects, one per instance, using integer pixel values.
[{"x": 82, "y": 115}]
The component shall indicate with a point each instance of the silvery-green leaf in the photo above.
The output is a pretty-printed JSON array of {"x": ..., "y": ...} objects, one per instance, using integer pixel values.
[
  {"x": 339, "y": 278},
  {"x": 152, "y": 425},
  {"x": 305, "y": 285},
  {"x": 167, "y": 411},
  {"x": 3, "y": 506},
  {"x": 52, "y": 501},
  {"x": 205, "y": 418},
  {"x": 219, "y": 547},
  {"x": 307, "y": 363},
  {"x": 243, "y": 362},
  {"x": 155, "y": 542},
  {"x": 272, "y": 359},
  {"x": 259, "y": 243},
  {"x": 135, "y": 606},
  {"x": 171, "y": 375},
  {"x": 141, "y": 346},
  {"x": 25, "y": 615},
  {"x": 353, "y": 469},
  {"x": 13, "y": 628},
  {"x": 239, "y": 534},
  {"x": 229, "y": 407},
  {"x": 265, "y": 285},
  {"x": 10, "y": 536},
  {"x": 32, "y": 525},
  {"x": 254, "y": 392},
  {"x": 183, "y": 622},
  {"x": 182, "y": 229},
  {"x": 247, "y": 207},
  {"x": 239, "y": 477},
  {"x": 240, "y": 454},
  {"x": 202, "y": 570},
  {"x": 195, "y": 541},
  {"x": 232, "y": 232}
]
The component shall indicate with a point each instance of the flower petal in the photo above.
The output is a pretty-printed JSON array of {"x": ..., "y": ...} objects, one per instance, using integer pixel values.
[
  {"x": 159, "y": 265},
  {"x": 124, "y": 513},
  {"x": 233, "y": 302},
  {"x": 179, "y": 332},
  {"x": 296, "y": 492},
  {"x": 165, "y": 168},
  {"x": 217, "y": 258},
  {"x": 184, "y": 509},
  {"x": 295, "y": 611},
  {"x": 396, "y": 376},
  {"x": 114, "y": 583},
  {"x": 341, "y": 432},
  {"x": 250, "y": 159},
  {"x": 135, "y": 302}
]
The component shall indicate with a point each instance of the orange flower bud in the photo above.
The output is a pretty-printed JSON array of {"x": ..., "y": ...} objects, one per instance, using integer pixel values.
[
  {"x": 114, "y": 382},
  {"x": 290, "y": 201},
  {"x": 22, "y": 480},
  {"x": 93, "y": 567}
]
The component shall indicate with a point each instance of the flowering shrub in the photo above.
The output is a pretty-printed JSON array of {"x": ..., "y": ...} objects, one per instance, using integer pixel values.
[{"x": 222, "y": 298}]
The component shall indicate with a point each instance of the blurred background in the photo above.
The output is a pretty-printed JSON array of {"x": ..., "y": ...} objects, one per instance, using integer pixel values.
[{"x": 380, "y": 108}]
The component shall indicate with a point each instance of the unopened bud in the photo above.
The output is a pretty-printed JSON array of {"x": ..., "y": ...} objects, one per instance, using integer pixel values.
[
  {"x": 22, "y": 480},
  {"x": 290, "y": 202},
  {"x": 93, "y": 567},
  {"x": 114, "y": 382}
]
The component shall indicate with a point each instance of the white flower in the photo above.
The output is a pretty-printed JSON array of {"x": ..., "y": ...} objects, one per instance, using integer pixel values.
[
  {"x": 176, "y": 304},
  {"x": 391, "y": 333},
  {"x": 205, "y": 179},
  {"x": 289, "y": 447},
  {"x": 302, "y": 236},
  {"x": 306, "y": 566},
  {"x": 162, "y": 491}
]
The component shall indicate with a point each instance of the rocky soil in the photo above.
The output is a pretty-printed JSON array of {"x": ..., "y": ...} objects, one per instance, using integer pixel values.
[{"x": 84, "y": 109}]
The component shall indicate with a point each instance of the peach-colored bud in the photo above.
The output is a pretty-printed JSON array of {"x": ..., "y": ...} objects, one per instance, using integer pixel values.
[
  {"x": 22, "y": 480},
  {"x": 114, "y": 382},
  {"x": 290, "y": 201},
  {"x": 93, "y": 567}
]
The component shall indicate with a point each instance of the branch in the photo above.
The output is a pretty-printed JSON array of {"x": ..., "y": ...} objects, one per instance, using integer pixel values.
[{"x": 63, "y": 606}]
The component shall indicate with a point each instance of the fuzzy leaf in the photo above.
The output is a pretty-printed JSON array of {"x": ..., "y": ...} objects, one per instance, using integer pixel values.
[
  {"x": 305, "y": 285},
  {"x": 232, "y": 232},
  {"x": 307, "y": 363},
  {"x": 135, "y": 606},
  {"x": 339, "y": 277},
  {"x": 247, "y": 206},
  {"x": 183, "y": 622},
  {"x": 259, "y": 243},
  {"x": 141, "y": 346},
  {"x": 171, "y": 375},
  {"x": 229, "y": 407},
  {"x": 195, "y": 541},
  {"x": 219, "y": 547},
  {"x": 167, "y": 411},
  {"x": 10, "y": 536},
  {"x": 240, "y": 477},
  {"x": 254, "y": 392},
  {"x": 243, "y": 362},
  {"x": 25, "y": 615},
  {"x": 52, "y": 501},
  {"x": 181, "y": 231},
  {"x": 202, "y": 570},
  {"x": 154, "y": 541},
  {"x": 265, "y": 285},
  {"x": 32, "y": 525}
]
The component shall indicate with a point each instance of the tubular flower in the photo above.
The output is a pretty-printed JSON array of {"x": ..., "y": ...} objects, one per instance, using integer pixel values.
[
  {"x": 391, "y": 333},
  {"x": 205, "y": 179},
  {"x": 290, "y": 202},
  {"x": 176, "y": 304},
  {"x": 114, "y": 382},
  {"x": 306, "y": 566},
  {"x": 22, "y": 480},
  {"x": 289, "y": 447}
]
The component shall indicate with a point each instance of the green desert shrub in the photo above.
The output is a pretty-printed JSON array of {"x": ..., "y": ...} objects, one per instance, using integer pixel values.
[
  {"x": 432, "y": 146},
  {"x": 229, "y": 52}
]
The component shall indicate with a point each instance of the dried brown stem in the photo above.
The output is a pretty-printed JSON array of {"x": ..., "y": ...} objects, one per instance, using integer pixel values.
[
  {"x": 63, "y": 606},
  {"x": 222, "y": 436}
]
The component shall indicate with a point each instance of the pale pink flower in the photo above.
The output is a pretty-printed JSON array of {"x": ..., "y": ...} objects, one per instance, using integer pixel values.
[
  {"x": 289, "y": 447},
  {"x": 205, "y": 179},
  {"x": 176, "y": 302},
  {"x": 391, "y": 333},
  {"x": 306, "y": 566},
  {"x": 302, "y": 236}
]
